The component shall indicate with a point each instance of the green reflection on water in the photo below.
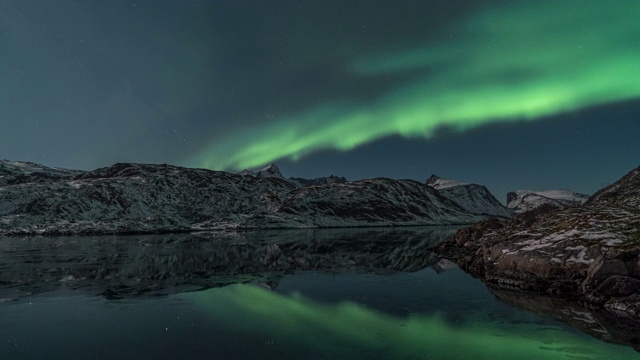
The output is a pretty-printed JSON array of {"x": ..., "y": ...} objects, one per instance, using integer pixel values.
[{"x": 348, "y": 328}]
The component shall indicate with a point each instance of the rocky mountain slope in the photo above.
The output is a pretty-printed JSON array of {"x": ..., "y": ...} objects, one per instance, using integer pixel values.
[
  {"x": 520, "y": 201},
  {"x": 474, "y": 198},
  {"x": 17, "y": 172},
  {"x": 591, "y": 252},
  {"x": 139, "y": 198}
]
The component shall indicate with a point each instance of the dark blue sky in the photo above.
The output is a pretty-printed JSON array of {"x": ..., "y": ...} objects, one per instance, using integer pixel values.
[{"x": 84, "y": 84}]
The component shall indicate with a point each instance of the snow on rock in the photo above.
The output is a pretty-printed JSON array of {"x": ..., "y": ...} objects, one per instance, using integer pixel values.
[
  {"x": 474, "y": 198},
  {"x": 439, "y": 183},
  {"x": 525, "y": 200}
]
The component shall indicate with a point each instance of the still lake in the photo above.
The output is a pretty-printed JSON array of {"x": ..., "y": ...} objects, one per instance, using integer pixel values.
[{"x": 296, "y": 294}]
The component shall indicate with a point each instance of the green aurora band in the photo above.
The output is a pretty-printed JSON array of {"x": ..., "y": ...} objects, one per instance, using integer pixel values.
[
  {"x": 520, "y": 62},
  {"x": 347, "y": 330}
]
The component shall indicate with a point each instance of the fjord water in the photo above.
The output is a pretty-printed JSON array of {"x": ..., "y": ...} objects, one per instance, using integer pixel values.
[{"x": 314, "y": 294}]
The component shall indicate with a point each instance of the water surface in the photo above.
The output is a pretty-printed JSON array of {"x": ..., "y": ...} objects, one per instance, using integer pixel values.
[{"x": 316, "y": 294}]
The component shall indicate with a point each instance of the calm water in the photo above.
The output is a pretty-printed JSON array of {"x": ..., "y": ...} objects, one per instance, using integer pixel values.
[{"x": 332, "y": 294}]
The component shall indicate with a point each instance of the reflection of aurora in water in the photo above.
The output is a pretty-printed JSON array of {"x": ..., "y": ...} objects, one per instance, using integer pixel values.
[
  {"x": 349, "y": 330},
  {"x": 522, "y": 61}
]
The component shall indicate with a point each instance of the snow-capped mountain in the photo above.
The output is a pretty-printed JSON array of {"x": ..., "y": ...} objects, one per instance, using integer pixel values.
[
  {"x": 474, "y": 198},
  {"x": 525, "y": 200},
  {"x": 139, "y": 198}
]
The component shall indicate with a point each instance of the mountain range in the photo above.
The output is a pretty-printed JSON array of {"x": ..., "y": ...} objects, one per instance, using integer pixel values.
[
  {"x": 142, "y": 198},
  {"x": 130, "y": 198}
]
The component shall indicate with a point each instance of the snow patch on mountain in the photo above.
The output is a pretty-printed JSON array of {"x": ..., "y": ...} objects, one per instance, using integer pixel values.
[
  {"x": 525, "y": 200},
  {"x": 439, "y": 183}
]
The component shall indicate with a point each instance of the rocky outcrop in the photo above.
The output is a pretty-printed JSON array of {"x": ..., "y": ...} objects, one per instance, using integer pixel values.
[
  {"x": 139, "y": 198},
  {"x": 591, "y": 252},
  {"x": 474, "y": 198},
  {"x": 520, "y": 201}
]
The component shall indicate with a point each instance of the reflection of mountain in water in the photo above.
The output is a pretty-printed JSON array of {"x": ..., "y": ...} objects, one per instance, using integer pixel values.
[
  {"x": 599, "y": 324},
  {"x": 132, "y": 266},
  {"x": 118, "y": 267}
]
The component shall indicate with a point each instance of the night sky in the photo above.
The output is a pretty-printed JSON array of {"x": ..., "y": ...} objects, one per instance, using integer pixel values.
[{"x": 509, "y": 94}]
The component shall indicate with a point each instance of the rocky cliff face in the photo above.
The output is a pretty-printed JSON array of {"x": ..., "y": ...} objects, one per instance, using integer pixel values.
[
  {"x": 591, "y": 252},
  {"x": 138, "y": 198},
  {"x": 474, "y": 198},
  {"x": 520, "y": 201}
]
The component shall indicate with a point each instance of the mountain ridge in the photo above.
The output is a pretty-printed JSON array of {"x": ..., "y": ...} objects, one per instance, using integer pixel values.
[
  {"x": 474, "y": 198},
  {"x": 147, "y": 198}
]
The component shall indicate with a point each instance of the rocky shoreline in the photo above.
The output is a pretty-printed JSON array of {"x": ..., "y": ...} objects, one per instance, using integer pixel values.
[{"x": 589, "y": 253}]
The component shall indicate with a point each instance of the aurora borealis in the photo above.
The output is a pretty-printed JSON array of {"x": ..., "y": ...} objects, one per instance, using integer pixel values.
[
  {"x": 333, "y": 330},
  {"x": 511, "y": 94},
  {"x": 511, "y": 63}
]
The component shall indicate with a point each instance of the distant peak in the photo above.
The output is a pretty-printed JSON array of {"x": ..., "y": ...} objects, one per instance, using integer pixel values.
[
  {"x": 432, "y": 179},
  {"x": 271, "y": 170},
  {"x": 438, "y": 183},
  {"x": 270, "y": 167}
]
